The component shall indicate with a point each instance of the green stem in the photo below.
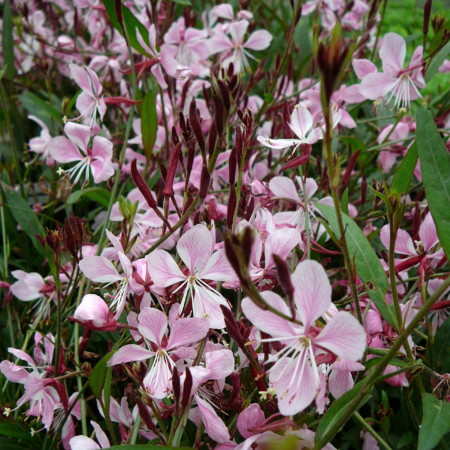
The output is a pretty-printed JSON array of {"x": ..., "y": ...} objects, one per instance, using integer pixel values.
[
  {"x": 353, "y": 405},
  {"x": 368, "y": 428}
]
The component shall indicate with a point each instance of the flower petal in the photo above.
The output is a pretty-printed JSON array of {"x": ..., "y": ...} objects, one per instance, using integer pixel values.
[
  {"x": 392, "y": 53},
  {"x": 152, "y": 324},
  {"x": 194, "y": 247},
  {"x": 344, "y": 336},
  {"x": 163, "y": 269},
  {"x": 99, "y": 269},
  {"x": 312, "y": 291},
  {"x": 130, "y": 353}
]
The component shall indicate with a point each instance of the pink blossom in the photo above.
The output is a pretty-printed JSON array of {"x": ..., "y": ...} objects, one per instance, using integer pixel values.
[
  {"x": 235, "y": 49},
  {"x": 302, "y": 126},
  {"x": 96, "y": 159},
  {"x": 94, "y": 313},
  {"x": 89, "y": 102},
  {"x": 85, "y": 443},
  {"x": 195, "y": 249},
  {"x": 402, "y": 83},
  {"x": 153, "y": 324},
  {"x": 295, "y": 375}
]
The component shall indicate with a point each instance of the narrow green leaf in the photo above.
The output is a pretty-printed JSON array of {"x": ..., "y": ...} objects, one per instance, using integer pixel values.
[
  {"x": 336, "y": 410},
  {"x": 38, "y": 107},
  {"x": 24, "y": 215},
  {"x": 437, "y": 61},
  {"x": 404, "y": 173},
  {"x": 435, "y": 422},
  {"x": 13, "y": 430},
  {"x": 183, "y": 2},
  {"x": 435, "y": 167},
  {"x": 440, "y": 350},
  {"x": 96, "y": 194},
  {"x": 132, "y": 24},
  {"x": 344, "y": 201},
  {"x": 98, "y": 376},
  {"x": 149, "y": 122},
  {"x": 7, "y": 40},
  {"x": 368, "y": 265}
]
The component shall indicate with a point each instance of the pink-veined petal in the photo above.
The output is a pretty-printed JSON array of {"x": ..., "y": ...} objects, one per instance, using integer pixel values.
[
  {"x": 217, "y": 268},
  {"x": 376, "y": 85},
  {"x": 392, "y": 53},
  {"x": 281, "y": 242},
  {"x": 214, "y": 426},
  {"x": 278, "y": 144},
  {"x": 100, "y": 435},
  {"x": 194, "y": 248},
  {"x": 403, "y": 244},
  {"x": 220, "y": 363},
  {"x": 267, "y": 321},
  {"x": 312, "y": 291},
  {"x": 237, "y": 31},
  {"x": 250, "y": 417},
  {"x": 187, "y": 331},
  {"x": 130, "y": 353},
  {"x": 284, "y": 187},
  {"x": 28, "y": 285},
  {"x": 163, "y": 269},
  {"x": 301, "y": 121},
  {"x": 78, "y": 134},
  {"x": 13, "y": 372},
  {"x": 80, "y": 76},
  {"x": 102, "y": 148},
  {"x": 63, "y": 150},
  {"x": 157, "y": 381},
  {"x": 152, "y": 325},
  {"x": 83, "y": 443},
  {"x": 428, "y": 233},
  {"x": 93, "y": 308},
  {"x": 363, "y": 67},
  {"x": 344, "y": 336},
  {"x": 258, "y": 40},
  {"x": 99, "y": 269},
  {"x": 295, "y": 382},
  {"x": 206, "y": 303}
]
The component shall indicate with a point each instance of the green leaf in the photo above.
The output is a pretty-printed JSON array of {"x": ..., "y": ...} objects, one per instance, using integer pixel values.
[
  {"x": 13, "y": 430},
  {"x": 7, "y": 40},
  {"x": 24, "y": 215},
  {"x": 337, "y": 409},
  {"x": 344, "y": 201},
  {"x": 440, "y": 350},
  {"x": 435, "y": 422},
  {"x": 99, "y": 376},
  {"x": 96, "y": 194},
  {"x": 368, "y": 265},
  {"x": 437, "y": 61},
  {"x": 183, "y": 2},
  {"x": 149, "y": 122},
  {"x": 38, "y": 107},
  {"x": 131, "y": 23},
  {"x": 404, "y": 173},
  {"x": 435, "y": 168}
]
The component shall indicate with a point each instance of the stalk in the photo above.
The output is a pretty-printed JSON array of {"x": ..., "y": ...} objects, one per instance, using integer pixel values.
[{"x": 373, "y": 376}]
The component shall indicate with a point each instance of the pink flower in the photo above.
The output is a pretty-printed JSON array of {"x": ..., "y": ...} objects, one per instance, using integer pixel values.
[
  {"x": 29, "y": 286},
  {"x": 89, "y": 102},
  {"x": 39, "y": 144},
  {"x": 96, "y": 159},
  {"x": 402, "y": 83},
  {"x": 295, "y": 375},
  {"x": 235, "y": 49},
  {"x": 94, "y": 313},
  {"x": 195, "y": 249},
  {"x": 153, "y": 324},
  {"x": 84, "y": 443},
  {"x": 302, "y": 125},
  {"x": 102, "y": 270}
]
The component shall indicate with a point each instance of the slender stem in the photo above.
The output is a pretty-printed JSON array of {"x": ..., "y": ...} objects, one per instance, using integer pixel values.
[
  {"x": 333, "y": 175},
  {"x": 368, "y": 428},
  {"x": 353, "y": 405}
]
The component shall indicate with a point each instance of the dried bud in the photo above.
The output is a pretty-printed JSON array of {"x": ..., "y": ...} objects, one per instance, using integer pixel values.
[
  {"x": 194, "y": 120},
  {"x": 187, "y": 387}
]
